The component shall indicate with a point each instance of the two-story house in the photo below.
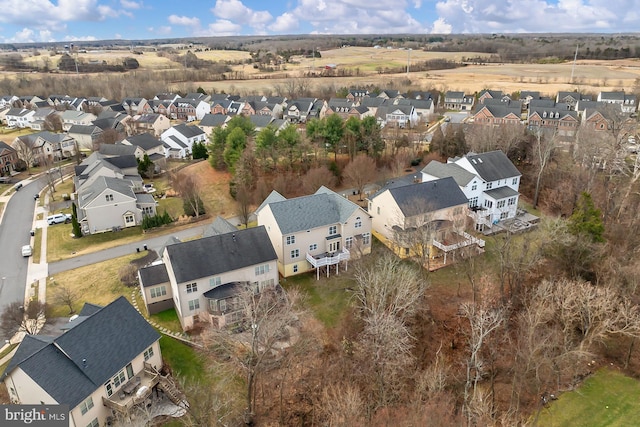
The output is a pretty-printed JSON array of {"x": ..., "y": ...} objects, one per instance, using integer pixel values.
[
  {"x": 72, "y": 117},
  {"x": 88, "y": 137},
  {"x": 489, "y": 181},
  {"x": 553, "y": 119},
  {"x": 149, "y": 145},
  {"x": 188, "y": 109},
  {"x": 204, "y": 278},
  {"x": 152, "y": 123},
  {"x": 317, "y": 231},
  {"x": 104, "y": 366},
  {"x": 459, "y": 101},
  {"x": 627, "y": 101},
  {"x": 8, "y": 158},
  {"x": 18, "y": 117},
  {"x": 421, "y": 219},
  {"x": 212, "y": 121},
  {"x": 178, "y": 140},
  {"x": 494, "y": 112}
]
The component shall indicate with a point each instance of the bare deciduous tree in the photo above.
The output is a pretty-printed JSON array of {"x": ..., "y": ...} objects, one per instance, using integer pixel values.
[
  {"x": 188, "y": 188},
  {"x": 67, "y": 296},
  {"x": 29, "y": 318},
  {"x": 316, "y": 178},
  {"x": 542, "y": 150},
  {"x": 360, "y": 172}
]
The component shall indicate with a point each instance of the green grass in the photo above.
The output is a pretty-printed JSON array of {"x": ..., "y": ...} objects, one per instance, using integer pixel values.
[
  {"x": 37, "y": 245},
  {"x": 61, "y": 244},
  {"x": 173, "y": 206},
  {"x": 7, "y": 351},
  {"x": 327, "y": 298},
  {"x": 184, "y": 360},
  {"x": 608, "y": 398},
  {"x": 167, "y": 318}
]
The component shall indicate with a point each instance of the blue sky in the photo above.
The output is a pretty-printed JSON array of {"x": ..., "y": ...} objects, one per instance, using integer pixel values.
[{"x": 67, "y": 20}]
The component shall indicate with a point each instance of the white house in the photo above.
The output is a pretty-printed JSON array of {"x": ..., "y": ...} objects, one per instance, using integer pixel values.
[
  {"x": 203, "y": 278},
  {"x": 489, "y": 181},
  {"x": 314, "y": 231},
  {"x": 104, "y": 366},
  {"x": 178, "y": 140}
]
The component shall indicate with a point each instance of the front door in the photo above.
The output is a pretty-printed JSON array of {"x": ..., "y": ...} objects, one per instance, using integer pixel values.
[{"x": 334, "y": 247}]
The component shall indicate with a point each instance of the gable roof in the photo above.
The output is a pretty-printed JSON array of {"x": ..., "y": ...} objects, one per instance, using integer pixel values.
[
  {"x": 429, "y": 196},
  {"x": 493, "y": 165},
  {"x": 219, "y": 226},
  {"x": 188, "y": 131},
  {"x": 323, "y": 208},
  {"x": 117, "y": 149},
  {"x": 88, "y": 194},
  {"x": 443, "y": 170},
  {"x": 72, "y": 366},
  {"x": 221, "y": 253},
  {"x": 153, "y": 275},
  {"x": 214, "y": 120},
  {"x": 146, "y": 141}
]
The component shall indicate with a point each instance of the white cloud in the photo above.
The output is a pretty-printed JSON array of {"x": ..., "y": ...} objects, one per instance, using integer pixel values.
[
  {"x": 440, "y": 26},
  {"x": 128, "y": 4},
  {"x": 184, "y": 20},
  {"x": 284, "y": 23},
  {"x": 222, "y": 27},
  {"x": 235, "y": 11},
  {"x": 80, "y": 38}
]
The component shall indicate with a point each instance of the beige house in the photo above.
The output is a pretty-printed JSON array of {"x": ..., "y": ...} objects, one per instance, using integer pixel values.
[
  {"x": 152, "y": 123},
  {"x": 104, "y": 366},
  {"x": 203, "y": 278},
  {"x": 317, "y": 231},
  {"x": 421, "y": 219}
]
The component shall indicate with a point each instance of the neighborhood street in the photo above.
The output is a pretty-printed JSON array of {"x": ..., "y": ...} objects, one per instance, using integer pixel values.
[{"x": 14, "y": 233}]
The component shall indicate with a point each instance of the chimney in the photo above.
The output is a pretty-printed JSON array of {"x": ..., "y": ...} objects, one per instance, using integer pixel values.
[
  {"x": 84, "y": 363},
  {"x": 234, "y": 237}
]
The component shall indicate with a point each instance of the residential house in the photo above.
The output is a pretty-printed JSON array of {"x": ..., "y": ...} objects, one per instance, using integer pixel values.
[
  {"x": 402, "y": 115},
  {"x": 494, "y": 112},
  {"x": 571, "y": 98},
  {"x": 421, "y": 219},
  {"x": 152, "y": 123},
  {"x": 492, "y": 94},
  {"x": 339, "y": 106},
  {"x": 38, "y": 120},
  {"x": 211, "y": 121},
  {"x": 19, "y": 117},
  {"x": 603, "y": 117},
  {"x": 178, "y": 140},
  {"x": 260, "y": 122},
  {"x": 133, "y": 106},
  {"x": 458, "y": 101},
  {"x": 88, "y": 137},
  {"x": 7, "y": 100},
  {"x": 373, "y": 103},
  {"x": 118, "y": 149},
  {"x": 27, "y": 101},
  {"x": 424, "y": 108},
  {"x": 149, "y": 145},
  {"x": 203, "y": 278},
  {"x": 72, "y": 117},
  {"x": 489, "y": 181},
  {"x": 356, "y": 95},
  {"x": 188, "y": 109},
  {"x": 221, "y": 106},
  {"x": 111, "y": 120},
  {"x": 8, "y": 159},
  {"x": 553, "y": 119},
  {"x": 389, "y": 94},
  {"x": 526, "y": 96},
  {"x": 107, "y": 362},
  {"x": 626, "y": 101},
  {"x": 298, "y": 110},
  {"x": 65, "y": 102},
  {"x": 45, "y": 147},
  {"x": 317, "y": 231}
]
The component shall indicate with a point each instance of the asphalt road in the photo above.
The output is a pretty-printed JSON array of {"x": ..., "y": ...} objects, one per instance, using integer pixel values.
[
  {"x": 14, "y": 233},
  {"x": 153, "y": 243}
]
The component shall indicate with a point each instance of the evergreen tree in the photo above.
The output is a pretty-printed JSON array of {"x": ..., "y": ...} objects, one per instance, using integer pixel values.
[{"x": 587, "y": 219}]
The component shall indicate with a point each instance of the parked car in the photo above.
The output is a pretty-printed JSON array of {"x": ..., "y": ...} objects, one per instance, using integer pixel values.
[
  {"x": 58, "y": 219},
  {"x": 36, "y": 196},
  {"x": 18, "y": 186},
  {"x": 27, "y": 250},
  {"x": 149, "y": 188}
]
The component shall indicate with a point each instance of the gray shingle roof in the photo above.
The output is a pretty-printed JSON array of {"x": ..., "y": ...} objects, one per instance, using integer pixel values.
[
  {"x": 493, "y": 165},
  {"x": 274, "y": 196},
  {"x": 443, "y": 170},
  {"x": 430, "y": 196},
  {"x": 213, "y": 120},
  {"x": 154, "y": 275},
  {"x": 146, "y": 141},
  {"x": 218, "y": 254},
  {"x": 501, "y": 192},
  {"x": 307, "y": 212},
  {"x": 86, "y": 195},
  {"x": 219, "y": 226},
  {"x": 117, "y": 149},
  {"x": 225, "y": 290},
  {"x": 81, "y": 360},
  {"x": 188, "y": 131}
]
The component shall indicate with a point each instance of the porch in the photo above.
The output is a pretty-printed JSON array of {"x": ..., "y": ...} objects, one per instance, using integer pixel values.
[
  {"x": 134, "y": 392},
  {"x": 456, "y": 241},
  {"x": 328, "y": 259}
]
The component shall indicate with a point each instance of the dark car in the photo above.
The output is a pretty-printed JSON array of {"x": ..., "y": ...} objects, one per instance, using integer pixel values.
[
  {"x": 18, "y": 186},
  {"x": 36, "y": 196}
]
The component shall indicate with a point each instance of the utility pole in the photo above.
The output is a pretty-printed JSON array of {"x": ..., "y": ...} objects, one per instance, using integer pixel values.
[
  {"x": 573, "y": 68},
  {"x": 408, "y": 60}
]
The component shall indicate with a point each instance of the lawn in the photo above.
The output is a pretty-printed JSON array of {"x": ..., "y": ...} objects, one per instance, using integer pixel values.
[
  {"x": 327, "y": 297},
  {"x": 62, "y": 245},
  {"x": 608, "y": 398},
  {"x": 37, "y": 246},
  {"x": 98, "y": 284},
  {"x": 184, "y": 361}
]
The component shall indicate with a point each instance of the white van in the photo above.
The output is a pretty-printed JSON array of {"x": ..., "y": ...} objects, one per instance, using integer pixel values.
[{"x": 58, "y": 219}]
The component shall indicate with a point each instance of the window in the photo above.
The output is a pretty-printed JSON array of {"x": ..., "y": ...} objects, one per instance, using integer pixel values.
[
  {"x": 86, "y": 405},
  {"x": 473, "y": 202},
  {"x": 378, "y": 210},
  {"x": 313, "y": 247},
  {"x": 109, "y": 197},
  {"x": 295, "y": 253},
  {"x": 512, "y": 201},
  {"x": 158, "y": 292},
  {"x": 514, "y": 181},
  {"x": 118, "y": 379},
  {"x": 223, "y": 305},
  {"x": 488, "y": 204},
  {"x": 358, "y": 223},
  {"x": 148, "y": 353},
  {"x": 366, "y": 238},
  {"x": 501, "y": 204},
  {"x": 333, "y": 230},
  {"x": 489, "y": 185},
  {"x": 474, "y": 187},
  {"x": 291, "y": 240},
  {"x": 348, "y": 242},
  {"x": 192, "y": 287},
  {"x": 295, "y": 268},
  {"x": 214, "y": 281},
  {"x": 504, "y": 215},
  {"x": 94, "y": 423},
  {"x": 129, "y": 219},
  {"x": 262, "y": 269},
  {"x": 267, "y": 283},
  {"x": 194, "y": 304},
  {"x": 334, "y": 247},
  {"x": 108, "y": 388}
]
